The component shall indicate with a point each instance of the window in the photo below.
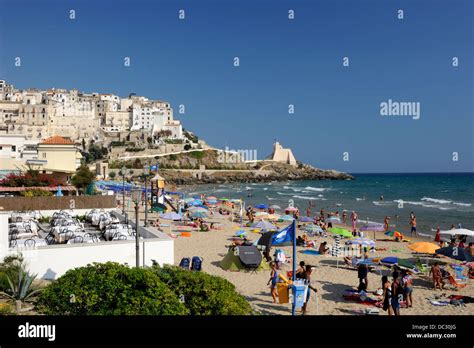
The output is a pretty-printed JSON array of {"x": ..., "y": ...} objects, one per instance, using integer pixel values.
[
  {"x": 14, "y": 148},
  {"x": 44, "y": 154},
  {"x": 1, "y": 148}
]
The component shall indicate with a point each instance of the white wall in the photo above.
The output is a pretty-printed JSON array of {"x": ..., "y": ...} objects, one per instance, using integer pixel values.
[{"x": 50, "y": 262}]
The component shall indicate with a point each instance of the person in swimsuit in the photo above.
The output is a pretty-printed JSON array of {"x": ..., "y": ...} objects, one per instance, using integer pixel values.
[
  {"x": 438, "y": 235},
  {"x": 413, "y": 225},
  {"x": 273, "y": 280},
  {"x": 435, "y": 271},
  {"x": 397, "y": 293},
  {"x": 407, "y": 283},
  {"x": 386, "y": 222},
  {"x": 354, "y": 220},
  {"x": 387, "y": 295},
  {"x": 344, "y": 217}
]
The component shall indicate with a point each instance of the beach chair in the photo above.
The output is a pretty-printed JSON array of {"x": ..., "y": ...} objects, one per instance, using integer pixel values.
[{"x": 457, "y": 285}]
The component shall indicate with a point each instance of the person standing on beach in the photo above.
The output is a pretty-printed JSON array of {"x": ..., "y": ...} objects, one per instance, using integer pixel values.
[
  {"x": 308, "y": 211},
  {"x": 354, "y": 220},
  {"x": 344, "y": 217},
  {"x": 386, "y": 222},
  {"x": 387, "y": 295},
  {"x": 413, "y": 225},
  {"x": 435, "y": 272},
  {"x": 397, "y": 293},
  {"x": 407, "y": 284},
  {"x": 362, "y": 273},
  {"x": 438, "y": 235},
  {"x": 273, "y": 280}
]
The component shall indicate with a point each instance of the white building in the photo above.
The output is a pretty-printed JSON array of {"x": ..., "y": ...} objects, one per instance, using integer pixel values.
[{"x": 16, "y": 151}]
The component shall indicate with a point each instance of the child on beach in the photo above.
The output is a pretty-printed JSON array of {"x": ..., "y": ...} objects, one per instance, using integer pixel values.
[
  {"x": 435, "y": 272},
  {"x": 307, "y": 276}
]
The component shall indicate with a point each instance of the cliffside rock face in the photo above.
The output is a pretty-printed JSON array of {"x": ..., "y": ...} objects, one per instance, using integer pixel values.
[{"x": 273, "y": 172}]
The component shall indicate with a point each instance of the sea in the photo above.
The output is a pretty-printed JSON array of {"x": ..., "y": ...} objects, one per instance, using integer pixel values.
[{"x": 436, "y": 199}]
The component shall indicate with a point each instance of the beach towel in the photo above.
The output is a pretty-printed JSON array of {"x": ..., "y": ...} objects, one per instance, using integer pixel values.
[
  {"x": 310, "y": 252},
  {"x": 439, "y": 303}
]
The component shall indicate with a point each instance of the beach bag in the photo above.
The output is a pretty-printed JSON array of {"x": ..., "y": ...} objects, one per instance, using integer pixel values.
[
  {"x": 185, "y": 262},
  {"x": 196, "y": 264}
]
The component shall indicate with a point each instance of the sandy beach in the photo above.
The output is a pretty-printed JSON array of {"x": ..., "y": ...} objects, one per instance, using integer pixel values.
[{"x": 331, "y": 277}]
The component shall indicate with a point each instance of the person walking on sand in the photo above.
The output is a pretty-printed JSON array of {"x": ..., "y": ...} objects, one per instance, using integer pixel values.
[
  {"x": 413, "y": 225},
  {"x": 273, "y": 280},
  {"x": 307, "y": 276},
  {"x": 387, "y": 295},
  {"x": 435, "y": 272}
]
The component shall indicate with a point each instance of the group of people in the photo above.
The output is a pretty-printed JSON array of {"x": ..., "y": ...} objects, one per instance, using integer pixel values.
[
  {"x": 303, "y": 272},
  {"x": 397, "y": 291}
]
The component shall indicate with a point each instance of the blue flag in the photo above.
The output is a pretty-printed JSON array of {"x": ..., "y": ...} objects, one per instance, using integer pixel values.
[{"x": 285, "y": 236}]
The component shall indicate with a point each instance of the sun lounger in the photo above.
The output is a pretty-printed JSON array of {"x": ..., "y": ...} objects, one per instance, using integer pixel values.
[{"x": 456, "y": 284}]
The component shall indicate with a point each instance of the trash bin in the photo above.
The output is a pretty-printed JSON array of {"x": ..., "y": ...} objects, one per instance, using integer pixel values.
[
  {"x": 283, "y": 293},
  {"x": 300, "y": 290}
]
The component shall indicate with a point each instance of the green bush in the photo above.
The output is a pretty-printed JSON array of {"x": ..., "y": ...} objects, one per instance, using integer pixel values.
[
  {"x": 9, "y": 268},
  {"x": 173, "y": 157},
  {"x": 112, "y": 175},
  {"x": 202, "y": 293},
  {"x": 197, "y": 154},
  {"x": 109, "y": 289}
]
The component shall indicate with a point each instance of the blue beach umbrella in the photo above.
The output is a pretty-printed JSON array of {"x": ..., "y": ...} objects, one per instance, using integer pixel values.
[
  {"x": 59, "y": 193},
  {"x": 261, "y": 206}
]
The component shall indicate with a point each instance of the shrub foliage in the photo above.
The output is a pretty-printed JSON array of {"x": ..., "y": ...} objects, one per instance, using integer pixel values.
[
  {"x": 109, "y": 289},
  {"x": 202, "y": 293}
]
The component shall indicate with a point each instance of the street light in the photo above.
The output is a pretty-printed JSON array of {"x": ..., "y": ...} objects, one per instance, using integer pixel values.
[
  {"x": 123, "y": 171},
  {"x": 136, "y": 198},
  {"x": 146, "y": 172}
]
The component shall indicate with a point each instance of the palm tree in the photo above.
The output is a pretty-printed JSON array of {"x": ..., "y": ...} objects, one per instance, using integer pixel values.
[{"x": 22, "y": 290}]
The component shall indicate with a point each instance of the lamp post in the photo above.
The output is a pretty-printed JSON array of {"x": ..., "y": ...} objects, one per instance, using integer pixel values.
[
  {"x": 146, "y": 172},
  {"x": 123, "y": 171},
  {"x": 136, "y": 198}
]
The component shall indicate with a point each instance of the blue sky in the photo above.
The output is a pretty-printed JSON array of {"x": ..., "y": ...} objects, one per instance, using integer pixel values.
[{"x": 282, "y": 62}]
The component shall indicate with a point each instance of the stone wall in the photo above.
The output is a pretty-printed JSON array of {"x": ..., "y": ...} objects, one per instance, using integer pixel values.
[{"x": 56, "y": 203}]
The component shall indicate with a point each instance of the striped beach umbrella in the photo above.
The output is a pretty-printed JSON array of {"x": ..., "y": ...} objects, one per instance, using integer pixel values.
[
  {"x": 305, "y": 219},
  {"x": 363, "y": 241},
  {"x": 287, "y": 218},
  {"x": 312, "y": 228},
  {"x": 265, "y": 225}
]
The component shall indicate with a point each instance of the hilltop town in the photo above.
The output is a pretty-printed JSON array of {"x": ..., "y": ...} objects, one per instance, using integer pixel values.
[{"x": 55, "y": 131}]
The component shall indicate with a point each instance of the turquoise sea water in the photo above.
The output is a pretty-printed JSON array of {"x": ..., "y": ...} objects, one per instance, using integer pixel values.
[{"x": 436, "y": 199}]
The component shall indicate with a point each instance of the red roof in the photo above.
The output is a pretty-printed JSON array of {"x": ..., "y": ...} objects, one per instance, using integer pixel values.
[{"x": 57, "y": 140}]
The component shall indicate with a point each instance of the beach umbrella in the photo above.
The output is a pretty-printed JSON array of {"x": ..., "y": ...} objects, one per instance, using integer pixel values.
[
  {"x": 274, "y": 206},
  {"x": 306, "y": 219},
  {"x": 59, "y": 193},
  {"x": 195, "y": 202},
  {"x": 261, "y": 215},
  {"x": 459, "y": 231},
  {"x": 265, "y": 225},
  {"x": 424, "y": 247},
  {"x": 212, "y": 198},
  {"x": 171, "y": 216},
  {"x": 287, "y": 218},
  {"x": 224, "y": 199},
  {"x": 313, "y": 228},
  {"x": 393, "y": 260},
  {"x": 198, "y": 214},
  {"x": 395, "y": 234},
  {"x": 291, "y": 209},
  {"x": 363, "y": 241},
  {"x": 373, "y": 226},
  {"x": 261, "y": 206},
  {"x": 274, "y": 216},
  {"x": 340, "y": 231},
  {"x": 241, "y": 234},
  {"x": 188, "y": 200},
  {"x": 456, "y": 253},
  {"x": 333, "y": 219}
]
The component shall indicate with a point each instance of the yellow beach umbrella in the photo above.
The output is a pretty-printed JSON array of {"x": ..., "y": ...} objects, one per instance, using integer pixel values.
[
  {"x": 273, "y": 216},
  {"x": 424, "y": 247}
]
